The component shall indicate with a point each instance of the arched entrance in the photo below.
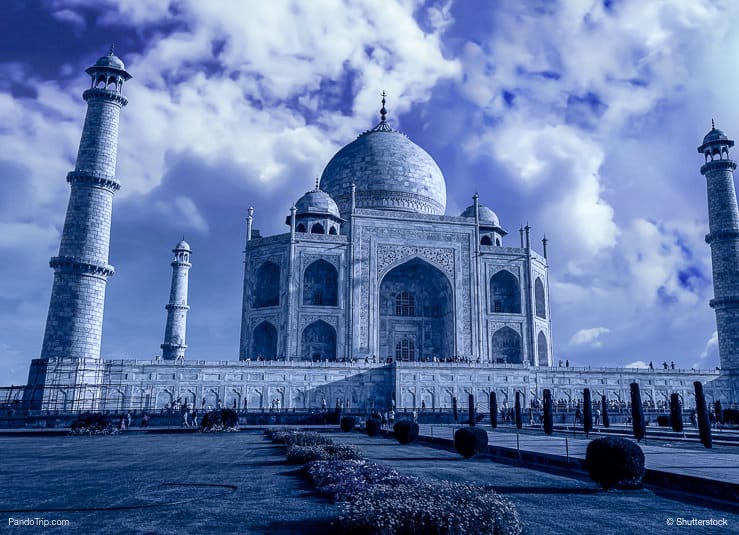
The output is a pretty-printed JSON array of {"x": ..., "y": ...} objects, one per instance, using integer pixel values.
[
  {"x": 264, "y": 342},
  {"x": 416, "y": 313},
  {"x": 507, "y": 346}
]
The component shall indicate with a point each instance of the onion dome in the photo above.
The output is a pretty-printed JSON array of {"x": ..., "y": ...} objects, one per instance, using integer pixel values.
[
  {"x": 317, "y": 202},
  {"x": 390, "y": 172}
]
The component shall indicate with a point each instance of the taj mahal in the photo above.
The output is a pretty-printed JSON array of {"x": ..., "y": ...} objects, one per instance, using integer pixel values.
[{"x": 373, "y": 295}]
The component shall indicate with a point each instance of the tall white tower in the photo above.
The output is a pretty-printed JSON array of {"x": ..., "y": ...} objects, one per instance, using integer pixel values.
[
  {"x": 174, "y": 346},
  {"x": 75, "y": 321},
  {"x": 723, "y": 237}
]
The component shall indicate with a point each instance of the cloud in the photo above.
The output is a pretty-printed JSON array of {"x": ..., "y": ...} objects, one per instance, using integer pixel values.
[
  {"x": 711, "y": 347},
  {"x": 637, "y": 364},
  {"x": 588, "y": 337}
]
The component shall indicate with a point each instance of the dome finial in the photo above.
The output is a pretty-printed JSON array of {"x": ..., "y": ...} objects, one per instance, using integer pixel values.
[
  {"x": 112, "y": 49},
  {"x": 713, "y": 125},
  {"x": 317, "y": 181},
  {"x": 383, "y": 111}
]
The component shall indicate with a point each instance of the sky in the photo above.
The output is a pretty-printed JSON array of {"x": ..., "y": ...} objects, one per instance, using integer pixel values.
[{"x": 579, "y": 117}]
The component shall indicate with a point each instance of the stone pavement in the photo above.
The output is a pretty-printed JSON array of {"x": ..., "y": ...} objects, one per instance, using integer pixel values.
[{"x": 694, "y": 463}]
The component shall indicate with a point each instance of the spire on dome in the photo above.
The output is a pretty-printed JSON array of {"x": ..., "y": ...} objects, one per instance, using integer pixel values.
[
  {"x": 317, "y": 182},
  {"x": 383, "y": 111},
  {"x": 112, "y": 49},
  {"x": 383, "y": 126}
]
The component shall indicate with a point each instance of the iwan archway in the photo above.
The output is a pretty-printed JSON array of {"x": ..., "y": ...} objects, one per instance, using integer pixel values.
[{"x": 416, "y": 313}]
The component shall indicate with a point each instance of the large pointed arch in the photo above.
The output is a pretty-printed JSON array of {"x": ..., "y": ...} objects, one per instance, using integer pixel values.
[
  {"x": 318, "y": 342},
  {"x": 267, "y": 285},
  {"x": 416, "y": 309},
  {"x": 543, "y": 349},
  {"x": 321, "y": 284},
  {"x": 264, "y": 342},
  {"x": 540, "y": 299},
  {"x": 506, "y": 345},
  {"x": 505, "y": 293}
]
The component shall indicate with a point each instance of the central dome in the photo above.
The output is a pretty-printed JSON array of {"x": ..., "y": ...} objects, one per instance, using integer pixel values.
[{"x": 390, "y": 173}]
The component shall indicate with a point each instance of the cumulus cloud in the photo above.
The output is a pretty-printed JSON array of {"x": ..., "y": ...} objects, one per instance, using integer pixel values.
[
  {"x": 637, "y": 364},
  {"x": 589, "y": 337},
  {"x": 711, "y": 348}
]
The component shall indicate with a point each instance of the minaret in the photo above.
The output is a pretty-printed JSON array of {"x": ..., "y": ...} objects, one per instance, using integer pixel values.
[
  {"x": 174, "y": 346},
  {"x": 723, "y": 237},
  {"x": 81, "y": 270}
]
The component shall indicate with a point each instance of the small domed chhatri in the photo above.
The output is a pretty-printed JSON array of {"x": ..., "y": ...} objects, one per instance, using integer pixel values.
[
  {"x": 486, "y": 215},
  {"x": 109, "y": 62},
  {"x": 182, "y": 245},
  {"x": 317, "y": 202},
  {"x": 390, "y": 173}
]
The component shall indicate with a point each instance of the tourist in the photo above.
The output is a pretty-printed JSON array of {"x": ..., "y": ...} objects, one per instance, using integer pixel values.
[
  {"x": 128, "y": 419},
  {"x": 391, "y": 418},
  {"x": 597, "y": 416},
  {"x": 145, "y": 420},
  {"x": 184, "y": 418},
  {"x": 651, "y": 365},
  {"x": 578, "y": 416},
  {"x": 323, "y": 404},
  {"x": 123, "y": 423},
  {"x": 672, "y": 365},
  {"x": 194, "y": 417},
  {"x": 423, "y": 406},
  {"x": 384, "y": 419},
  {"x": 567, "y": 363},
  {"x": 415, "y": 416}
]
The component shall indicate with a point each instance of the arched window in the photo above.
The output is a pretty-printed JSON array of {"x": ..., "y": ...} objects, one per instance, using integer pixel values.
[
  {"x": 264, "y": 342},
  {"x": 507, "y": 346},
  {"x": 405, "y": 349},
  {"x": 267, "y": 285},
  {"x": 485, "y": 240},
  {"x": 541, "y": 308},
  {"x": 318, "y": 342},
  {"x": 317, "y": 229},
  {"x": 321, "y": 284},
  {"x": 505, "y": 294},
  {"x": 405, "y": 304},
  {"x": 497, "y": 242},
  {"x": 332, "y": 230},
  {"x": 541, "y": 342},
  {"x": 300, "y": 228}
]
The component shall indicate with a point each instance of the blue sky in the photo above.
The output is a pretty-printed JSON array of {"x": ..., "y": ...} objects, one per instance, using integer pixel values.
[{"x": 580, "y": 117}]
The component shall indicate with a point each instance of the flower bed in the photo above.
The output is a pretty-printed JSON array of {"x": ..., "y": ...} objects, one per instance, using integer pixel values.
[
  {"x": 297, "y": 454},
  {"x": 92, "y": 424},
  {"x": 343, "y": 480},
  {"x": 219, "y": 421},
  {"x": 291, "y": 437},
  {"x": 430, "y": 507}
]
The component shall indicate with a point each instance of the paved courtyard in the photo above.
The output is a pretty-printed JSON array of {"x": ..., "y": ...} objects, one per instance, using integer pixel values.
[{"x": 240, "y": 483}]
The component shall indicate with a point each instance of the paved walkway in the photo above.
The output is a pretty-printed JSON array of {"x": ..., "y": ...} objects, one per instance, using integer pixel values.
[{"x": 704, "y": 464}]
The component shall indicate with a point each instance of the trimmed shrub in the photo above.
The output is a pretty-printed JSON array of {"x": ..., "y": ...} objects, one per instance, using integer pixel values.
[
  {"x": 90, "y": 423},
  {"x": 548, "y": 420},
  {"x": 344, "y": 480},
  {"x": 406, "y": 431},
  {"x": 676, "y": 413},
  {"x": 704, "y": 424},
  {"x": 438, "y": 507},
  {"x": 519, "y": 419},
  {"x": 638, "y": 424},
  {"x": 470, "y": 441},
  {"x": 454, "y": 408},
  {"x": 731, "y": 416},
  {"x": 587, "y": 411},
  {"x": 493, "y": 410},
  {"x": 348, "y": 423},
  {"x": 471, "y": 409},
  {"x": 663, "y": 420},
  {"x": 718, "y": 411},
  {"x": 615, "y": 462},
  {"x": 219, "y": 420},
  {"x": 332, "y": 452},
  {"x": 373, "y": 426}
]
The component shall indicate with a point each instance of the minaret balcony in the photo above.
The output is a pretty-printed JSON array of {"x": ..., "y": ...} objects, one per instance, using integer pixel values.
[
  {"x": 722, "y": 235},
  {"x": 105, "y": 182},
  {"x": 718, "y": 165},
  {"x": 70, "y": 264},
  {"x": 104, "y": 94}
]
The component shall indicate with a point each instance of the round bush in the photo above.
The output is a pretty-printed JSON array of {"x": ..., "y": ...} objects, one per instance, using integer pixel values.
[
  {"x": 663, "y": 420},
  {"x": 220, "y": 420},
  {"x": 373, "y": 427},
  {"x": 406, "y": 431},
  {"x": 348, "y": 423},
  {"x": 615, "y": 462},
  {"x": 469, "y": 441}
]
